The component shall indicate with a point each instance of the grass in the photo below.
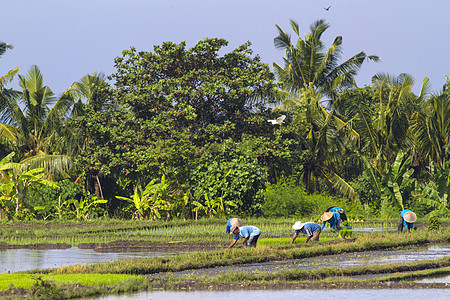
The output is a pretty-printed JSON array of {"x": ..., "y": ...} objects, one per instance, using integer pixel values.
[
  {"x": 286, "y": 240},
  {"x": 125, "y": 275},
  {"x": 424, "y": 266},
  {"x": 259, "y": 254},
  {"x": 26, "y": 281}
]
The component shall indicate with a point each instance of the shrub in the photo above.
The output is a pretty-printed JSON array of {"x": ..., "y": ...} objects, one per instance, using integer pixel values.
[{"x": 286, "y": 199}]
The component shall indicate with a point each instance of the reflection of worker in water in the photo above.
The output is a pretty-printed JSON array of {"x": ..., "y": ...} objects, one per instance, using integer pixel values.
[
  {"x": 338, "y": 210},
  {"x": 312, "y": 230},
  {"x": 249, "y": 233},
  {"x": 333, "y": 218},
  {"x": 234, "y": 222},
  {"x": 407, "y": 220}
]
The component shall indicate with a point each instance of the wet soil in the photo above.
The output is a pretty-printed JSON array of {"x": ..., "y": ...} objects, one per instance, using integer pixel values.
[
  {"x": 4, "y": 246},
  {"x": 195, "y": 285},
  {"x": 136, "y": 246},
  {"x": 124, "y": 246}
]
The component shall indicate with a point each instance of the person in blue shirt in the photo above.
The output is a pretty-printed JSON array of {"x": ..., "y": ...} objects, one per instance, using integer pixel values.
[
  {"x": 333, "y": 218},
  {"x": 312, "y": 230},
  {"x": 407, "y": 220},
  {"x": 233, "y": 222},
  {"x": 249, "y": 233},
  {"x": 338, "y": 210}
]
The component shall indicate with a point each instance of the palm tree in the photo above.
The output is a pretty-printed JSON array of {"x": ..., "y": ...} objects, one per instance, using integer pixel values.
[
  {"x": 92, "y": 97},
  {"x": 32, "y": 123},
  {"x": 87, "y": 91},
  {"x": 308, "y": 65},
  {"x": 325, "y": 139},
  {"x": 5, "y": 93},
  {"x": 396, "y": 106},
  {"x": 432, "y": 129}
]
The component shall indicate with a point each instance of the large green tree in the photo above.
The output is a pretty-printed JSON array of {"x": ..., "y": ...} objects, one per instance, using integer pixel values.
[{"x": 171, "y": 103}]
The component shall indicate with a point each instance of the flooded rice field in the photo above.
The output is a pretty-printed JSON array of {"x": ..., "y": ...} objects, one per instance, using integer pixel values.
[
  {"x": 366, "y": 294},
  {"x": 342, "y": 260},
  {"x": 15, "y": 260}
]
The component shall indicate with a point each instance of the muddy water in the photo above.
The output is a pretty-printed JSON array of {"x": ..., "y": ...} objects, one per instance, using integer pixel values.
[
  {"x": 435, "y": 294},
  {"x": 15, "y": 260},
  {"x": 342, "y": 260},
  {"x": 444, "y": 279}
]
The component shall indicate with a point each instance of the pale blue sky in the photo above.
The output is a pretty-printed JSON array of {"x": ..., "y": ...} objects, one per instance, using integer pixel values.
[{"x": 69, "y": 39}]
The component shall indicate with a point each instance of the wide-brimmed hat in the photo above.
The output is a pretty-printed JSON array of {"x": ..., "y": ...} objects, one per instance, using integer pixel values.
[
  {"x": 410, "y": 217},
  {"x": 298, "y": 225},
  {"x": 326, "y": 216},
  {"x": 233, "y": 228},
  {"x": 236, "y": 222}
]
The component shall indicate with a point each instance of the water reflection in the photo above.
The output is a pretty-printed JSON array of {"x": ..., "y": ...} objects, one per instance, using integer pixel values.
[
  {"x": 341, "y": 260},
  {"x": 435, "y": 294},
  {"x": 15, "y": 260}
]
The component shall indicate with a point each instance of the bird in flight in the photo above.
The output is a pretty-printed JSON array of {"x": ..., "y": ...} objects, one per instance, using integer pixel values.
[
  {"x": 328, "y": 8},
  {"x": 278, "y": 120}
]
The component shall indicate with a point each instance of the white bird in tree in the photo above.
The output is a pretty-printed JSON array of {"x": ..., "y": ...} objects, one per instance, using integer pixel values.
[{"x": 278, "y": 120}]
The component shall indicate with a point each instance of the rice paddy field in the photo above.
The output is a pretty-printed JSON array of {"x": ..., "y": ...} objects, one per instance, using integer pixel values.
[{"x": 201, "y": 246}]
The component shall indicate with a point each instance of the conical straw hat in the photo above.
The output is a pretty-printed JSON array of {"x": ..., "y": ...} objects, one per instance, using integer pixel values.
[
  {"x": 326, "y": 216},
  {"x": 410, "y": 217},
  {"x": 298, "y": 225},
  {"x": 236, "y": 222}
]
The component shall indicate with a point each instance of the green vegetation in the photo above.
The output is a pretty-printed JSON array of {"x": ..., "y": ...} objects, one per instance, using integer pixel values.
[
  {"x": 225, "y": 257},
  {"x": 26, "y": 281},
  {"x": 183, "y": 133}
]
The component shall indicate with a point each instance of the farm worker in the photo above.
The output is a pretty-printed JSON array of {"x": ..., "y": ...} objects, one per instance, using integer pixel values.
[
  {"x": 407, "y": 220},
  {"x": 249, "y": 233},
  {"x": 338, "y": 210},
  {"x": 333, "y": 218},
  {"x": 234, "y": 222},
  {"x": 312, "y": 230}
]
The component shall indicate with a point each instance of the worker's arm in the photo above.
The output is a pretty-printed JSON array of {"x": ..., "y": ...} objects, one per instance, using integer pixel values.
[
  {"x": 245, "y": 240},
  {"x": 293, "y": 239},
  {"x": 232, "y": 243},
  {"x": 308, "y": 238}
]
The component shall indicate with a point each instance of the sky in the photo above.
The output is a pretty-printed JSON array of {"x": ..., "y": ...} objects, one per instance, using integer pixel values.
[{"x": 68, "y": 39}]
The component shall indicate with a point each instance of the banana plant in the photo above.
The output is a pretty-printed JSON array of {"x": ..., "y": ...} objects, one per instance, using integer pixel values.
[
  {"x": 151, "y": 200},
  {"x": 436, "y": 192},
  {"x": 16, "y": 180},
  {"x": 394, "y": 180},
  {"x": 83, "y": 207}
]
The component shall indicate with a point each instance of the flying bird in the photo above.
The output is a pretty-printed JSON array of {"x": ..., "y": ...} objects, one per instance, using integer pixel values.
[
  {"x": 328, "y": 8},
  {"x": 278, "y": 120}
]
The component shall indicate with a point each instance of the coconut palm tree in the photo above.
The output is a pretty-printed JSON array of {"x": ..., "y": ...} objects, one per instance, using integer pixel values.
[
  {"x": 396, "y": 106},
  {"x": 5, "y": 93},
  {"x": 31, "y": 124},
  {"x": 309, "y": 65},
  {"x": 431, "y": 129},
  {"x": 326, "y": 138}
]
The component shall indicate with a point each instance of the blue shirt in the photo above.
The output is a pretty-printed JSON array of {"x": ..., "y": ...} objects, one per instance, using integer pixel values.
[
  {"x": 335, "y": 208},
  {"x": 308, "y": 229},
  {"x": 407, "y": 225},
  {"x": 247, "y": 231},
  {"x": 333, "y": 221}
]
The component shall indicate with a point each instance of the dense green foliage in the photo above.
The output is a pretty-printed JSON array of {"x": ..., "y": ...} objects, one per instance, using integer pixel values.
[{"x": 186, "y": 132}]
